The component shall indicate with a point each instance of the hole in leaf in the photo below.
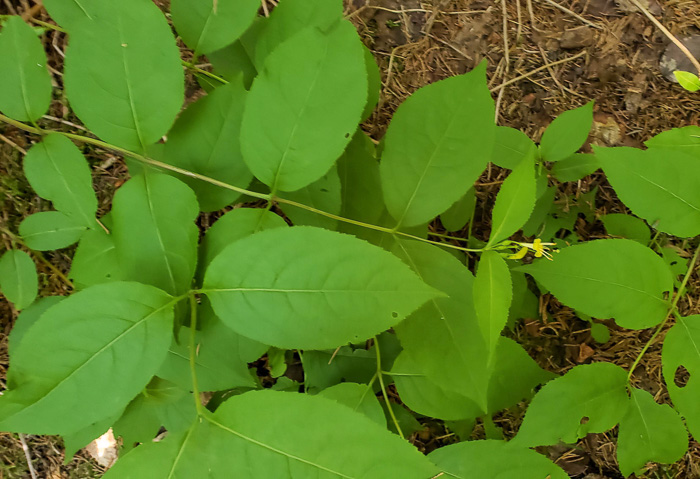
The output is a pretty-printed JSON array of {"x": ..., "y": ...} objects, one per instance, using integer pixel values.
[
  {"x": 394, "y": 314},
  {"x": 681, "y": 377},
  {"x": 584, "y": 420},
  {"x": 347, "y": 135}
]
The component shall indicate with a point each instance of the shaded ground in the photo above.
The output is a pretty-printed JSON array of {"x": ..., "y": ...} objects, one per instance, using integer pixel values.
[{"x": 599, "y": 50}]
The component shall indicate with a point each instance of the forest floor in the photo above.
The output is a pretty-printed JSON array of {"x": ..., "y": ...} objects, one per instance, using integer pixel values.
[{"x": 544, "y": 57}]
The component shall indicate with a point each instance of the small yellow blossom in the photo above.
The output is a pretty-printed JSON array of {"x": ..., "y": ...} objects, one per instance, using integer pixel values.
[
  {"x": 520, "y": 254},
  {"x": 538, "y": 247}
]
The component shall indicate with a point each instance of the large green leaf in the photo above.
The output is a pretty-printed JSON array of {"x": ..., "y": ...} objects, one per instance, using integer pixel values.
[
  {"x": 292, "y": 16},
  {"x": 613, "y": 278},
  {"x": 658, "y": 184},
  {"x": 70, "y": 13},
  {"x": 26, "y": 320},
  {"x": 58, "y": 172},
  {"x": 424, "y": 396},
  {"x": 589, "y": 398},
  {"x": 567, "y": 133},
  {"x": 18, "y": 279},
  {"x": 323, "y": 194},
  {"x": 359, "y": 398},
  {"x": 511, "y": 147},
  {"x": 681, "y": 357},
  {"x": 445, "y": 330},
  {"x": 299, "y": 88},
  {"x": 515, "y": 201},
  {"x": 123, "y": 75},
  {"x": 438, "y": 143},
  {"x": 493, "y": 294},
  {"x": 232, "y": 226},
  {"x": 49, "y": 230},
  {"x": 205, "y": 140},
  {"x": 105, "y": 342},
  {"x": 323, "y": 369},
  {"x": 154, "y": 231},
  {"x": 25, "y": 82},
  {"x": 308, "y": 288},
  {"x": 95, "y": 260},
  {"x": 686, "y": 139},
  {"x": 265, "y": 434},
  {"x": 221, "y": 359},
  {"x": 208, "y": 25},
  {"x": 649, "y": 432},
  {"x": 493, "y": 459}
]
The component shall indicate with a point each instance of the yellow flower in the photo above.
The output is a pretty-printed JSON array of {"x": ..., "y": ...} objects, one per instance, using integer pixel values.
[
  {"x": 520, "y": 254},
  {"x": 537, "y": 246}
]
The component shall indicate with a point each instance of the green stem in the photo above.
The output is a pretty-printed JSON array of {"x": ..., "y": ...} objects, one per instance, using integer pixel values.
[
  {"x": 221, "y": 184},
  {"x": 383, "y": 387},
  {"x": 196, "y": 69},
  {"x": 672, "y": 311},
  {"x": 193, "y": 354}
]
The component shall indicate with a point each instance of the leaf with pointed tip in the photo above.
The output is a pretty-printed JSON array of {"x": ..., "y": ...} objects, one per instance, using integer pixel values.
[
  {"x": 290, "y": 18},
  {"x": 681, "y": 356},
  {"x": 95, "y": 260},
  {"x": 300, "y": 80},
  {"x": 567, "y": 133},
  {"x": 359, "y": 398},
  {"x": 25, "y": 83},
  {"x": 18, "y": 279},
  {"x": 687, "y": 80},
  {"x": 575, "y": 167},
  {"x": 209, "y": 25},
  {"x": 50, "y": 230},
  {"x": 686, "y": 139},
  {"x": 511, "y": 147},
  {"x": 205, "y": 140},
  {"x": 58, "y": 172},
  {"x": 649, "y": 432},
  {"x": 154, "y": 232},
  {"x": 323, "y": 194},
  {"x": 657, "y": 184},
  {"x": 446, "y": 126},
  {"x": 493, "y": 294},
  {"x": 611, "y": 278},
  {"x": 123, "y": 75},
  {"x": 125, "y": 330},
  {"x": 264, "y": 434},
  {"x": 515, "y": 201},
  {"x": 459, "y": 213},
  {"x": 309, "y": 288},
  {"x": 493, "y": 459},
  {"x": 590, "y": 398}
]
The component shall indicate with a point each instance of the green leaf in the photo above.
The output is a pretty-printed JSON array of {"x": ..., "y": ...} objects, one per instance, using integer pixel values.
[
  {"x": 264, "y": 434},
  {"x": 567, "y": 133},
  {"x": 222, "y": 356},
  {"x": 234, "y": 225},
  {"x": 422, "y": 395},
  {"x": 237, "y": 58},
  {"x": 493, "y": 294},
  {"x": 575, "y": 167},
  {"x": 686, "y": 139},
  {"x": 154, "y": 231},
  {"x": 50, "y": 230},
  {"x": 205, "y": 140},
  {"x": 300, "y": 81},
  {"x": 18, "y": 279},
  {"x": 446, "y": 126},
  {"x": 308, "y": 288},
  {"x": 95, "y": 260},
  {"x": 627, "y": 226},
  {"x": 511, "y": 147},
  {"x": 70, "y": 13},
  {"x": 359, "y": 398},
  {"x": 124, "y": 331},
  {"x": 26, "y": 319},
  {"x": 515, "y": 201},
  {"x": 658, "y": 185},
  {"x": 590, "y": 398},
  {"x": 681, "y": 356},
  {"x": 543, "y": 206},
  {"x": 649, "y": 432},
  {"x": 208, "y": 25},
  {"x": 613, "y": 278},
  {"x": 688, "y": 80},
  {"x": 162, "y": 403},
  {"x": 291, "y": 17},
  {"x": 58, "y": 172},
  {"x": 374, "y": 84},
  {"x": 323, "y": 194},
  {"x": 25, "y": 82},
  {"x": 459, "y": 213},
  {"x": 323, "y": 369},
  {"x": 77, "y": 440},
  {"x": 123, "y": 75},
  {"x": 446, "y": 324},
  {"x": 493, "y": 459}
]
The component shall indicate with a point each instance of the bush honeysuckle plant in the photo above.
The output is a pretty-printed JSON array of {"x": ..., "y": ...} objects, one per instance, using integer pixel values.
[{"x": 358, "y": 288}]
